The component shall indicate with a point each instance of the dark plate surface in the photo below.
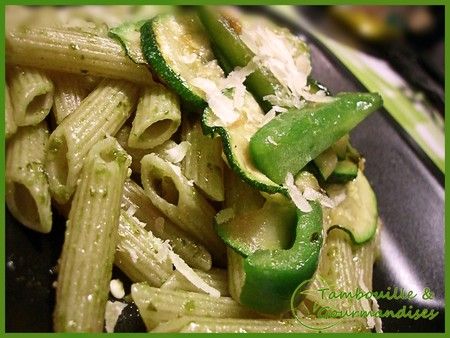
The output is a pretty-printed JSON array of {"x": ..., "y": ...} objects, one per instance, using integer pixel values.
[{"x": 410, "y": 202}]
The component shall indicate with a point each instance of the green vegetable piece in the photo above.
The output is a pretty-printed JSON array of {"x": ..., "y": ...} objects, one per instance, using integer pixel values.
[
  {"x": 358, "y": 213},
  {"x": 293, "y": 138},
  {"x": 273, "y": 275},
  {"x": 270, "y": 227},
  {"x": 345, "y": 171},
  {"x": 231, "y": 47},
  {"x": 326, "y": 162}
]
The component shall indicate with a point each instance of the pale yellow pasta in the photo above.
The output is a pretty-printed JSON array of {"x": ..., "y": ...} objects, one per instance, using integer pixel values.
[
  {"x": 171, "y": 192},
  {"x": 90, "y": 240},
  {"x": 10, "y": 125},
  {"x": 27, "y": 194},
  {"x": 192, "y": 252},
  {"x": 203, "y": 162},
  {"x": 72, "y": 51},
  {"x": 158, "y": 116},
  {"x": 31, "y": 93},
  {"x": 100, "y": 114},
  {"x": 157, "y": 305},
  {"x": 238, "y": 325},
  {"x": 70, "y": 90},
  {"x": 137, "y": 253},
  {"x": 216, "y": 278}
]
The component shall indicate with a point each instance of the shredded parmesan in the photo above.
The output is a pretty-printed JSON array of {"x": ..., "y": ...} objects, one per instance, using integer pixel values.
[
  {"x": 112, "y": 313},
  {"x": 221, "y": 105},
  {"x": 300, "y": 202},
  {"x": 164, "y": 251},
  {"x": 271, "y": 141},
  {"x": 188, "y": 58},
  {"x": 372, "y": 322},
  {"x": 116, "y": 288},
  {"x": 131, "y": 210},
  {"x": 177, "y": 153},
  {"x": 290, "y": 66},
  {"x": 226, "y": 96},
  {"x": 314, "y": 195},
  {"x": 235, "y": 80},
  {"x": 268, "y": 117},
  {"x": 191, "y": 276}
]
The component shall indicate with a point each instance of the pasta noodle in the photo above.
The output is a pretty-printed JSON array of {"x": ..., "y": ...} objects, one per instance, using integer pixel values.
[
  {"x": 203, "y": 161},
  {"x": 27, "y": 194},
  {"x": 180, "y": 202},
  {"x": 157, "y": 305},
  {"x": 137, "y": 253},
  {"x": 31, "y": 93},
  {"x": 70, "y": 90},
  {"x": 10, "y": 125},
  {"x": 217, "y": 278},
  {"x": 72, "y": 51},
  {"x": 100, "y": 114},
  {"x": 157, "y": 118},
  {"x": 90, "y": 240},
  {"x": 234, "y": 325},
  {"x": 184, "y": 245}
]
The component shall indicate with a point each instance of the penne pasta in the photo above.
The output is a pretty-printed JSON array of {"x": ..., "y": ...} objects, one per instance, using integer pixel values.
[
  {"x": 203, "y": 161},
  {"x": 90, "y": 240},
  {"x": 165, "y": 150},
  {"x": 158, "y": 116},
  {"x": 217, "y": 278},
  {"x": 27, "y": 194},
  {"x": 137, "y": 253},
  {"x": 70, "y": 90},
  {"x": 235, "y": 325},
  {"x": 157, "y": 305},
  {"x": 100, "y": 114},
  {"x": 31, "y": 92},
  {"x": 10, "y": 125},
  {"x": 178, "y": 199},
  {"x": 182, "y": 244},
  {"x": 72, "y": 51},
  {"x": 364, "y": 258}
]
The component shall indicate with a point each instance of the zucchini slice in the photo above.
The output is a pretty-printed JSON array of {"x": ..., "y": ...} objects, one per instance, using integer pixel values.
[
  {"x": 344, "y": 171},
  {"x": 268, "y": 228},
  {"x": 357, "y": 214},
  {"x": 129, "y": 35},
  {"x": 235, "y": 141},
  {"x": 177, "y": 49}
]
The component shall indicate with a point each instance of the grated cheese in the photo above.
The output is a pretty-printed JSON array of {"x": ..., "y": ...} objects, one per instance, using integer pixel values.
[
  {"x": 177, "y": 153},
  {"x": 299, "y": 200},
  {"x": 191, "y": 276},
  {"x": 290, "y": 66},
  {"x": 271, "y": 141},
  {"x": 221, "y": 105},
  {"x": 116, "y": 288},
  {"x": 314, "y": 195},
  {"x": 372, "y": 322},
  {"x": 112, "y": 313}
]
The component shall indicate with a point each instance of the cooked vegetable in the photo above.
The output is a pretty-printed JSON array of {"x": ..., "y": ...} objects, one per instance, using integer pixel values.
[
  {"x": 293, "y": 138},
  {"x": 358, "y": 213},
  {"x": 236, "y": 53},
  {"x": 278, "y": 272},
  {"x": 344, "y": 171}
]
